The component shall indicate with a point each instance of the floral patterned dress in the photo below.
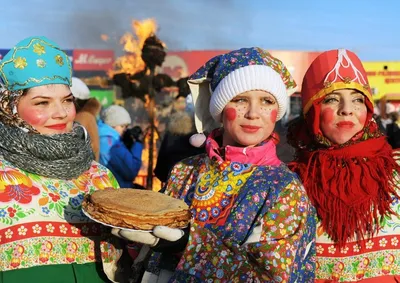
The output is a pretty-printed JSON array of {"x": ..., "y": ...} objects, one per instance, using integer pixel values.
[
  {"x": 373, "y": 260},
  {"x": 251, "y": 223},
  {"x": 43, "y": 231}
]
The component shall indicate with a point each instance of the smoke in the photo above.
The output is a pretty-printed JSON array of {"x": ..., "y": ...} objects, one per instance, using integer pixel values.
[
  {"x": 86, "y": 30},
  {"x": 203, "y": 25},
  {"x": 182, "y": 24}
]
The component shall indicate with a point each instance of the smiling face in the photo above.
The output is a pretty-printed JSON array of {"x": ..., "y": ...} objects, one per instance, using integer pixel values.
[
  {"x": 343, "y": 114},
  {"x": 49, "y": 109},
  {"x": 249, "y": 118}
]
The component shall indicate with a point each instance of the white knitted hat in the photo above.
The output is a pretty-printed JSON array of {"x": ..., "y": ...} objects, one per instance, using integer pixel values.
[
  {"x": 79, "y": 89},
  {"x": 228, "y": 75},
  {"x": 115, "y": 115},
  {"x": 253, "y": 77}
]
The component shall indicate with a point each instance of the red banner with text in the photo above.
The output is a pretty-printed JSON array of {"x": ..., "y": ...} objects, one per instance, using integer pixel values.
[
  {"x": 93, "y": 60},
  {"x": 184, "y": 63}
]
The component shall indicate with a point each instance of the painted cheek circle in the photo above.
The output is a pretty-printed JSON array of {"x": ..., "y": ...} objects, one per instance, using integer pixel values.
[
  {"x": 327, "y": 115},
  {"x": 274, "y": 114},
  {"x": 35, "y": 118},
  {"x": 230, "y": 114},
  {"x": 363, "y": 117}
]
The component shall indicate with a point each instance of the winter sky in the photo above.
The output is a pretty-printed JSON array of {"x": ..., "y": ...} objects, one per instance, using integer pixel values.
[{"x": 371, "y": 28}]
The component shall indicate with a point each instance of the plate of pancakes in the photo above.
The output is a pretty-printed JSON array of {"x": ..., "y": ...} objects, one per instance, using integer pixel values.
[{"x": 135, "y": 209}]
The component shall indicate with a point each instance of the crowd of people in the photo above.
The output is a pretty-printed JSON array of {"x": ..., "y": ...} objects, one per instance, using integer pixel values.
[{"x": 330, "y": 215}]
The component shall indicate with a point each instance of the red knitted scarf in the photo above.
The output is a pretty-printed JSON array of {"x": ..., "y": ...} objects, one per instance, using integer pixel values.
[{"x": 351, "y": 186}]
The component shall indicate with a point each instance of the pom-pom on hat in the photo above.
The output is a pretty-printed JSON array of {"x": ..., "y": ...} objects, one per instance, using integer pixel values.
[
  {"x": 35, "y": 61},
  {"x": 228, "y": 75}
]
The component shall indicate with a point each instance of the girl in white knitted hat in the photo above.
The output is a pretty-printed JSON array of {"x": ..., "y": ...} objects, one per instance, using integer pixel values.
[{"x": 252, "y": 220}]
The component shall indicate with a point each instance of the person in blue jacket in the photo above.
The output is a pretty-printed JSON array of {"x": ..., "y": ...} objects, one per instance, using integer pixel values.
[{"x": 123, "y": 162}]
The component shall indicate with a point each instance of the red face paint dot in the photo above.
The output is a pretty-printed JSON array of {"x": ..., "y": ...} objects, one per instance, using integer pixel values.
[
  {"x": 230, "y": 114},
  {"x": 274, "y": 114}
]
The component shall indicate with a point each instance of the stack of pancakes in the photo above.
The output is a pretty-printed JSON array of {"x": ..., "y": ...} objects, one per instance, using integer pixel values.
[{"x": 136, "y": 209}]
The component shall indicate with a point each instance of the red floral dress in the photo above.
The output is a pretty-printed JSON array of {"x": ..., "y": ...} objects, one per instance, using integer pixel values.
[{"x": 41, "y": 221}]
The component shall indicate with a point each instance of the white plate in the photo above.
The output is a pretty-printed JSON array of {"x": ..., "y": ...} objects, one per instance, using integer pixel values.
[{"x": 109, "y": 225}]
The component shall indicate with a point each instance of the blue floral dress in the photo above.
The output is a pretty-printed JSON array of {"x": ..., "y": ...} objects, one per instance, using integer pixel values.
[{"x": 251, "y": 223}]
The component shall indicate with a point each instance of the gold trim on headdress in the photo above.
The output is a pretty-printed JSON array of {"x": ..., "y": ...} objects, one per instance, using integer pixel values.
[
  {"x": 358, "y": 82},
  {"x": 335, "y": 86}
]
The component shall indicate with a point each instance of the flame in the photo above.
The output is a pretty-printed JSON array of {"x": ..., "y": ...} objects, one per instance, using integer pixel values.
[
  {"x": 147, "y": 101},
  {"x": 96, "y": 81},
  {"x": 141, "y": 178},
  {"x": 104, "y": 37},
  {"x": 132, "y": 62},
  {"x": 142, "y": 175}
]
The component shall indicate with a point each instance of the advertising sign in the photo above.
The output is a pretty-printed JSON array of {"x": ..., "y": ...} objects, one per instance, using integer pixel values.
[
  {"x": 92, "y": 59},
  {"x": 184, "y": 63},
  {"x": 92, "y": 66},
  {"x": 384, "y": 79}
]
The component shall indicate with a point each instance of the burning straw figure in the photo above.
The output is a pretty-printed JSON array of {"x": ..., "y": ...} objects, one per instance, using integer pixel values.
[
  {"x": 145, "y": 84},
  {"x": 252, "y": 220}
]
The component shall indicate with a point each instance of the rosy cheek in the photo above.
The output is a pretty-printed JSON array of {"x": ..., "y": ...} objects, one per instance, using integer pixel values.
[
  {"x": 35, "y": 117},
  {"x": 327, "y": 115},
  {"x": 274, "y": 114},
  {"x": 362, "y": 117},
  {"x": 230, "y": 114}
]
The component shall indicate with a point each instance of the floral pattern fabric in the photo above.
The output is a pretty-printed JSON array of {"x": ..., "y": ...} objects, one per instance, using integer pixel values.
[
  {"x": 41, "y": 221},
  {"x": 378, "y": 257},
  {"x": 230, "y": 202}
]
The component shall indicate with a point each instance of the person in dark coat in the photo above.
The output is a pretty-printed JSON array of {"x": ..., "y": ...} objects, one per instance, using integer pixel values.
[
  {"x": 175, "y": 145},
  {"x": 393, "y": 130}
]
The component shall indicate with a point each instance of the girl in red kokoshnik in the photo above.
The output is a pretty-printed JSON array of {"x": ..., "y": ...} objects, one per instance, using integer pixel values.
[{"x": 349, "y": 171}]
